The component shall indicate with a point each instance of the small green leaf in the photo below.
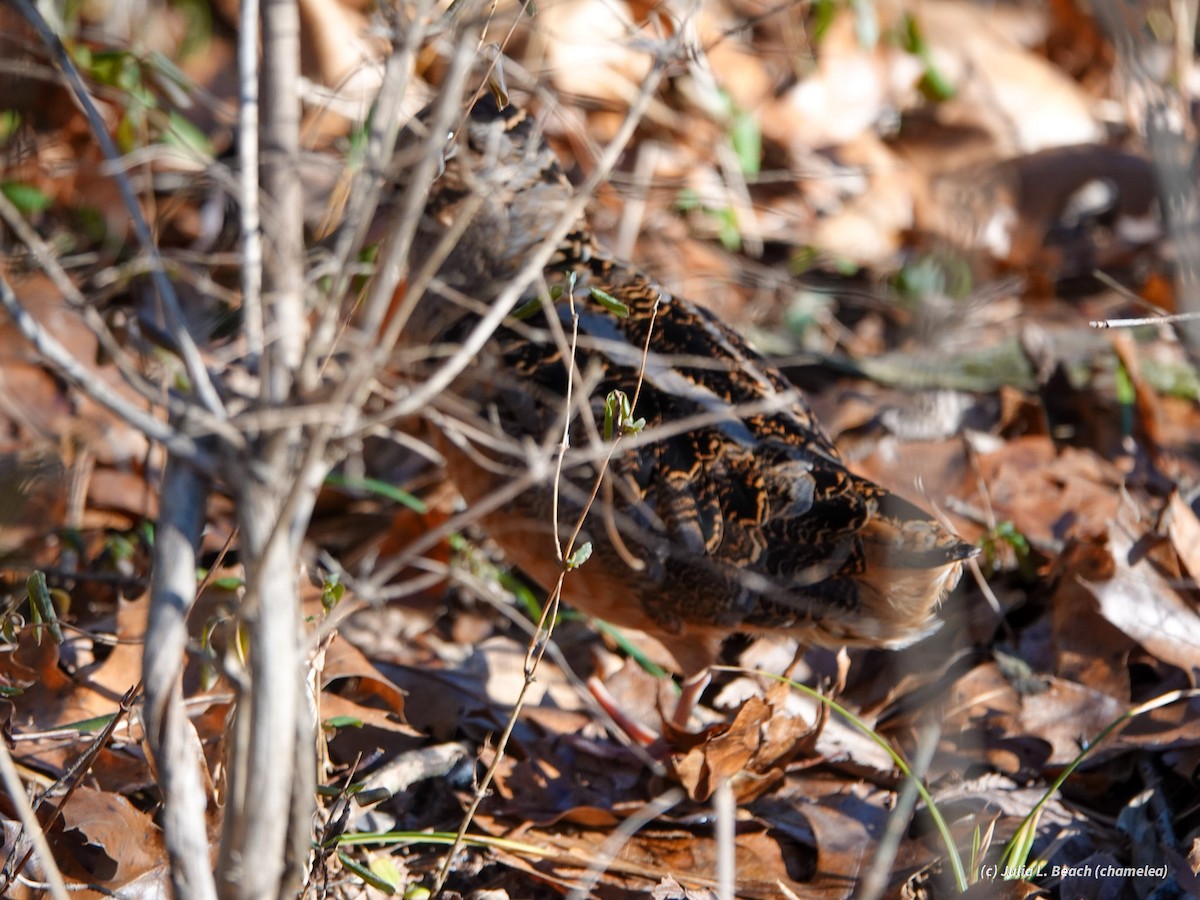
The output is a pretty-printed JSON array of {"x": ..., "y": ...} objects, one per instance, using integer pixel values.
[
  {"x": 823, "y": 12},
  {"x": 335, "y": 722},
  {"x": 729, "y": 234},
  {"x": 746, "y": 136},
  {"x": 1126, "y": 390},
  {"x": 687, "y": 200},
  {"x": 332, "y": 592},
  {"x": 385, "y": 868},
  {"x": 618, "y": 416},
  {"x": 911, "y": 38},
  {"x": 1006, "y": 531},
  {"x": 116, "y": 68},
  {"x": 933, "y": 84},
  {"x": 382, "y": 488},
  {"x": 524, "y": 596},
  {"x": 25, "y": 197},
  {"x": 530, "y": 307},
  {"x": 609, "y": 302},
  {"x": 89, "y": 726},
  {"x": 371, "y": 797},
  {"x": 119, "y": 547},
  {"x": 369, "y": 877},
  {"x": 10, "y": 121},
  {"x": 616, "y": 409},
  {"x": 182, "y": 133},
  {"x": 41, "y": 607},
  {"x": 580, "y": 555}
]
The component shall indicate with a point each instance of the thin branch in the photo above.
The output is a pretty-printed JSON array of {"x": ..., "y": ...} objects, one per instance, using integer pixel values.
[
  {"x": 539, "y": 259},
  {"x": 621, "y": 835},
  {"x": 73, "y": 776},
  {"x": 394, "y": 256},
  {"x": 1146, "y": 320},
  {"x": 58, "y": 276},
  {"x": 725, "y": 831},
  {"x": 267, "y": 829},
  {"x": 17, "y": 796},
  {"x": 533, "y": 657},
  {"x": 183, "y": 340},
  {"x": 283, "y": 312},
  {"x": 252, "y": 251},
  {"x": 85, "y": 380},
  {"x": 545, "y": 628},
  {"x": 565, "y": 443},
  {"x": 176, "y": 747},
  {"x": 367, "y": 184},
  {"x": 536, "y": 468}
]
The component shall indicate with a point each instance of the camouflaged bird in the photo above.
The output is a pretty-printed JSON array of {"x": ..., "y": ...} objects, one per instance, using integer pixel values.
[{"x": 730, "y": 510}]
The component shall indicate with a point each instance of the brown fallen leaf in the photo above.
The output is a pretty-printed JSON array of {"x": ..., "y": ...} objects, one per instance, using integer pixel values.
[
  {"x": 104, "y": 839},
  {"x": 362, "y": 686},
  {"x": 1184, "y": 528},
  {"x": 749, "y": 752},
  {"x": 1154, "y": 610}
]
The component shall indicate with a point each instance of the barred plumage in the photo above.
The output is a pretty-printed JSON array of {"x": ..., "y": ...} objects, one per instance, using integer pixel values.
[{"x": 732, "y": 510}]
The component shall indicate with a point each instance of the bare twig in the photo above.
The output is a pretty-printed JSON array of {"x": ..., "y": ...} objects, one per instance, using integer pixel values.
[
  {"x": 177, "y": 752},
  {"x": 75, "y": 773},
  {"x": 533, "y": 657},
  {"x": 267, "y": 828},
  {"x": 33, "y": 829},
  {"x": 536, "y": 469},
  {"x": 252, "y": 260},
  {"x": 565, "y": 443},
  {"x": 545, "y": 627},
  {"x": 725, "y": 827},
  {"x": 74, "y": 372},
  {"x": 622, "y": 834},
  {"x": 1145, "y": 320},
  {"x": 394, "y": 256},
  {"x": 538, "y": 259},
  {"x": 367, "y": 184},
  {"x": 174, "y": 315},
  {"x": 58, "y": 276}
]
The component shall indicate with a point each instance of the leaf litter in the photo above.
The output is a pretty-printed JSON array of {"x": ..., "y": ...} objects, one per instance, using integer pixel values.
[{"x": 1071, "y": 457}]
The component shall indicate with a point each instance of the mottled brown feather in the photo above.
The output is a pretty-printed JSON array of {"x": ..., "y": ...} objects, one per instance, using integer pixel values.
[{"x": 746, "y": 521}]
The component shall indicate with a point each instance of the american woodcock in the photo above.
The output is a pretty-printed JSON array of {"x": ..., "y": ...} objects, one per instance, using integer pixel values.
[{"x": 730, "y": 510}]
